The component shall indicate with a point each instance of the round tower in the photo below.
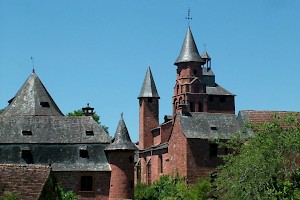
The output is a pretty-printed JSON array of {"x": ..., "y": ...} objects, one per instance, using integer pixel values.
[{"x": 120, "y": 155}]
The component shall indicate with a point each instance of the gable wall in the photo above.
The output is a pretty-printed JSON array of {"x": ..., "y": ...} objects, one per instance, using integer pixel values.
[{"x": 178, "y": 150}]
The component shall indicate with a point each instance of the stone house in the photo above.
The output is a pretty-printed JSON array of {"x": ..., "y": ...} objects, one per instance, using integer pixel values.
[{"x": 82, "y": 156}]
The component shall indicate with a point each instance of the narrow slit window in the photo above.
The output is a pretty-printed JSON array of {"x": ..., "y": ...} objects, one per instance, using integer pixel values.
[
  {"x": 89, "y": 133},
  {"x": 45, "y": 104},
  {"x": 26, "y": 132},
  {"x": 214, "y": 128}
]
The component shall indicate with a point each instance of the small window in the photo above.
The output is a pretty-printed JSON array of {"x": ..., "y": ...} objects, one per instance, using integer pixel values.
[
  {"x": 131, "y": 159},
  {"x": 26, "y": 132},
  {"x": 149, "y": 100},
  {"x": 89, "y": 133},
  {"x": 213, "y": 150},
  {"x": 86, "y": 183},
  {"x": 211, "y": 98},
  {"x": 214, "y": 128},
  {"x": 195, "y": 72},
  {"x": 83, "y": 153},
  {"x": 131, "y": 184},
  {"x": 45, "y": 104},
  {"x": 222, "y": 99},
  {"x": 27, "y": 156}
]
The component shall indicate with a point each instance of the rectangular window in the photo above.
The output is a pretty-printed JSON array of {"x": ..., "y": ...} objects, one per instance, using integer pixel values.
[
  {"x": 83, "y": 153},
  {"x": 45, "y": 104},
  {"x": 213, "y": 150},
  {"x": 161, "y": 163},
  {"x": 27, "y": 156},
  {"x": 214, "y": 128},
  {"x": 26, "y": 132},
  {"x": 222, "y": 99},
  {"x": 89, "y": 133},
  {"x": 86, "y": 183}
]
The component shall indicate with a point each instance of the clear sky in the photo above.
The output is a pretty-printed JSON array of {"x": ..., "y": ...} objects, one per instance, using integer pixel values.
[{"x": 97, "y": 52}]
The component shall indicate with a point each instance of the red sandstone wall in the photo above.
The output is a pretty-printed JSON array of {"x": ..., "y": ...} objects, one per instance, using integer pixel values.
[
  {"x": 122, "y": 175},
  {"x": 221, "y": 107},
  {"x": 148, "y": 119},
  {"x": 200, "y": 162},
  {"x": 177, "y": 151},
  {"x": 71, "y": 182}
]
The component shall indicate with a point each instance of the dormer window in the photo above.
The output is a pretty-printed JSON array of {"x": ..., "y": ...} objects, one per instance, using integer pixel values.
[
  {"x": 89, "y": 133},
  {"x": 45, "y": 104},
  {"x": 26, "y": 132}
]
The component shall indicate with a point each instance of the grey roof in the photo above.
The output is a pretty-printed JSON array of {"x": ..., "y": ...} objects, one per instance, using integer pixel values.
[
  {"x": 217, "y": 90},
  {"x": 148, "y": 89},
  {"x": 209, "y": 125},
  {"x": 30, "y": 98},
  {"x": 51, "y": 129},
  {"x": 207, "y": 72},
  {"x": 189, "y": 51},
  {"x": 122, "y": 139},
  {"x": 61, "y": 157},
  {"x": 205, "y": 55}
]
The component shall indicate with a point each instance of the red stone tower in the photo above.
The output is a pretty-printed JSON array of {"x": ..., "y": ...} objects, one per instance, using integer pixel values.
[
  {"x": 195, "y": 88},
  {"x": 148, "y": 111},
  {"x": 121, "y": 159}
]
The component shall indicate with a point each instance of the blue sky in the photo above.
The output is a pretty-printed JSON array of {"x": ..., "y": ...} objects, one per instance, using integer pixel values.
[{"x": 97, "y": 52}]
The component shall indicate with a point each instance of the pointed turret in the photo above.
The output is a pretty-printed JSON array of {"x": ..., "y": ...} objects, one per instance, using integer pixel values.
[
  {"x": 148, "y": 111},
  {"x": 207, "y": 60},
  {"x": 189, "y": 51},
  {"x": 148, "y": 89},
  {"x": 32, "y": 99},
  {"x": 120, "y": 154},
  {"x": 122, "y": 139}
]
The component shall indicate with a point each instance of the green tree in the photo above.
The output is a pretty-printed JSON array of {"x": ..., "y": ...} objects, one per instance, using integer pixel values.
[
  {"x": 266, "y": 166},
  {"x": 96, "y": 117}
]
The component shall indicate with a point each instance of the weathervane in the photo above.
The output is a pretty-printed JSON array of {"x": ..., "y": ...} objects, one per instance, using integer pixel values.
[
  {"x": 189, "y": 17},
  {"x": 204, "y": 47},
  {"x": 32, "y": 64}
]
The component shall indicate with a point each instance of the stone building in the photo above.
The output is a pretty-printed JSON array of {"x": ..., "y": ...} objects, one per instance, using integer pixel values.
[
  {"x": 202, "y": 111},
  {"x": 81, "y": 155}
]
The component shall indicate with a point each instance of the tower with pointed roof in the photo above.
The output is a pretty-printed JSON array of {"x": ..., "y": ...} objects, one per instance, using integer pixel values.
[
  {"x": 195, "y": 88},
  {"x": 121, "y": 159},
  {"x": 148, "y": 110}
]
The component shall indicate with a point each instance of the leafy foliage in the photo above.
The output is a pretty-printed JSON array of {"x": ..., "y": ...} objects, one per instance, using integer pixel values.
[
  {"x": 266, "y": 166},
  {"x": 96, "y": 117},
  {"x": 171, "y": 188},
  {"x": 11, "y": 196}
]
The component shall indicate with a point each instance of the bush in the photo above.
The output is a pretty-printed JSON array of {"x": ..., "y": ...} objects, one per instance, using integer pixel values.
[
  {"x": 173, "y": 188},
  {"x": 11, "y": 196}
]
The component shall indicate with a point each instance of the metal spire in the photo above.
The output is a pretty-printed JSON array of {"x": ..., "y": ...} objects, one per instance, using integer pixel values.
[
  {"x": 32, "y": 60},
  {"x": 189, "y": 17}
]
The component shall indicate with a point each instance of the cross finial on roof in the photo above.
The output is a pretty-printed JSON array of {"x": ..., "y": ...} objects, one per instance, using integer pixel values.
[
  {"x": 204, "y": 46},
  {"x": 32, "y": 60},
  {"x": 189, "y": 16},
  {"x": 121, "y": 115}
]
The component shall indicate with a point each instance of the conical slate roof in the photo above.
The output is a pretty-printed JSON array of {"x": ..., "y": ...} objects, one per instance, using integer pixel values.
[
  {"x": 32, "y": 99},
  {"x": 205, "y": 56},
  {"x": 148, "y": 89},
  {"x": 122, "y": 139},
  {"x": 189, "y": 51}
]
